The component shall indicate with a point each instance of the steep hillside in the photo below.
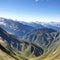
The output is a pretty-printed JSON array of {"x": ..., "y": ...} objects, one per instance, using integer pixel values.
[
  {"x": 23, "y": 48},
  {"x": 53, "y": 53},
  {"x": 14, "y": 27},
  {"x": 8, "y": 54},
  {"x": 43, "y": 37},
  {"x": 5, "y": 54},
  {"x": 41, "y": 44}
]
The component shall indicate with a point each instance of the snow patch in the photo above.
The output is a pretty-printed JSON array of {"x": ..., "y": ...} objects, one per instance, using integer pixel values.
[{"x": 2, "y": 23}]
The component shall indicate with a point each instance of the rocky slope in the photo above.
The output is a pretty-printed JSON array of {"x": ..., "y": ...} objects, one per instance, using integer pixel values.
[
  {"x": 22, "y": 48},
  {"x": 36, "y": 44},
  {"x": 14, "y": 27}
]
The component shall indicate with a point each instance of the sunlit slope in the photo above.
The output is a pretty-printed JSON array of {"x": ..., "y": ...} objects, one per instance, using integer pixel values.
[
  {"x": 4, "y": 52},
  {"x": 53, "y": 53},
  {"x": 4, "y": 56},
  {"x": 8, "y": 54}
]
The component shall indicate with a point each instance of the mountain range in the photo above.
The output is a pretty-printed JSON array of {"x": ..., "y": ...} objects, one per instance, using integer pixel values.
[
  {"x": 20, "y": 28},
  {"x": 14, "y": 27},
  {"x": 29, "y": 41}
]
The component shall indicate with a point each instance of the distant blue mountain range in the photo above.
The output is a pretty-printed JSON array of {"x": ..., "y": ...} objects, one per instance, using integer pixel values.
[{"x": 20, "y": 28}]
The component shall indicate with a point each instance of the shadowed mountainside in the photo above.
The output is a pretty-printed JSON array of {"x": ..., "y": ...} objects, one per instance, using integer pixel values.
[
  {"x": 41, "y": 44},
  {"x": 21, "y": 47}
]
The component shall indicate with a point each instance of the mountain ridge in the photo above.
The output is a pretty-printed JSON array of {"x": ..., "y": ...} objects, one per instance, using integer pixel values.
[{"x": 38, "y": 44}]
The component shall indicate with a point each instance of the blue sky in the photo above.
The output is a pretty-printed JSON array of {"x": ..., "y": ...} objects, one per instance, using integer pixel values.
[{"x": 31, "y": 10}]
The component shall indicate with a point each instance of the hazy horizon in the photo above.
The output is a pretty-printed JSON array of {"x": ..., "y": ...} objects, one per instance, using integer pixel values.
[{"x": 31, "y": 10}]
